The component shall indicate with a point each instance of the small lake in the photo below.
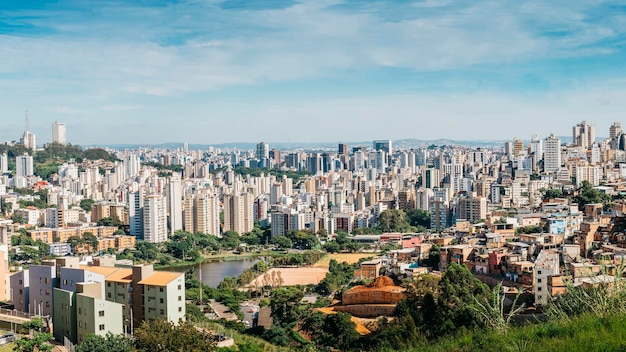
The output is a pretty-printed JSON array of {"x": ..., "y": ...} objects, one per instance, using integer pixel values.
[{"x": 214, "y": 272}]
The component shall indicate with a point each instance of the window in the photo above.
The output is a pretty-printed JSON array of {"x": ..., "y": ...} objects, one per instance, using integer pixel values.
[
  {"x": 180, "y": 298},
  {"x": 109, "y": 294},
  {"x": 101, "y": 327},
  {"x": 161, "y": 300},
  {"x": 180, "y": 287},
  {"x": 539, "y": 289},
  {"x": 538, "y": 281},
  {"x": 538, "y": 272},
  {"x": 65, "y": 282},
  {"x": 160, "y": 289},
  {"x": 80, "y": 310},
  {"x": 47, "y": 304},
  {"x": 47, "y": 280},
  {"x": 108, "y": 284},
  {"x": 180, "y": 309},
  {"x": 162, "y": 312},
  {"x": 21, "y": 282},
  {"x": 101, "y": 313},
  {"x": 80, "y": 324}
]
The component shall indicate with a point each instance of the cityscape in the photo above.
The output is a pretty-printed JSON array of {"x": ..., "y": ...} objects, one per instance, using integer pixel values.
[
  {"x": 84, "y": 229},
  {"x": 312, "y": 175}
]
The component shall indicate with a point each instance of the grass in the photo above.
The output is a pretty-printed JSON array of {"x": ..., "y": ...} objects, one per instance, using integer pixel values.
[
  {"x": 7, "y": 347},
  {"x": 349, "y": 258},
  {"x": 585, "y": 333}
]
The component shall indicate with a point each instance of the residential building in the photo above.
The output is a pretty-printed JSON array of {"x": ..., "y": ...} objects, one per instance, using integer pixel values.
[{"x": 59, "y": 133}]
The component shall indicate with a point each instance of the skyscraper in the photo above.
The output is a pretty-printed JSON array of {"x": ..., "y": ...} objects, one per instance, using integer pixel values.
[
  {"x": 59, "y": 133},
  {"x": 4, "y": 163},
  {"x": 583, "y": 135},
  {"x": 24, "y": 165},
  {"x": 154, "y": 219},
  {"x": 615, "y": 130},
  {"x": 552, "y": 154},
  {"x": 135, "y": 213},
  {"x": 175, "y": 199},
  {"x": 238, "y": 212},
  {"x": 383, "y": 145},
  {"x": 343, "y": 149},
  {"x": 28, "y": 140},
  {"x": 262, "y": 151}
]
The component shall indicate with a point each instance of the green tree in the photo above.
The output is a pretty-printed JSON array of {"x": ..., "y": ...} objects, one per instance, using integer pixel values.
[
  {"x": 588, "y": 195},
  {"x": 165, "y": 336},
  {"x": 393, "y": 220},
  {"x": 86, "y": 204},
  {"x": 338, "y": 331},
  {"x": 230, "y": 239},
  {"x": 282, "y": 242},
  {"x": 551, "y": 193},
  {"x": 110, "y": 343},
  {"x": 418, "y": 217},
  {"x": 283, "y": 303},
  {"x": 39, "y": 340}
]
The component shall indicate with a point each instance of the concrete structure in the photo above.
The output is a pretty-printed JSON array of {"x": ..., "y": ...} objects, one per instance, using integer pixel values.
[
  {"x": 59, "y": 134},
  {"x": 546, "y": 265},
  {"x": 552, "y": 154},
  {"x": 154, "y": 219},
  {"x": 238, "y": 212}
]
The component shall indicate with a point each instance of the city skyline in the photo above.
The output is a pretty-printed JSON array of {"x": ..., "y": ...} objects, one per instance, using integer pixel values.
[{"x": 309, "y": 71}]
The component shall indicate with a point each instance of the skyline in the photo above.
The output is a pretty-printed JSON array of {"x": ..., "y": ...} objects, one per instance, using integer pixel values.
[{"x": 155, "y": 72}]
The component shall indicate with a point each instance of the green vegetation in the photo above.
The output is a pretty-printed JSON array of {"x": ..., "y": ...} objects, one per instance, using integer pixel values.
[
  {"x": 588, "y": 195},
  {"x": 396, "y": 220},
  {"x": 158, "y": 335},
  {"x": 39, "y": 339},
  {"x": 110, "y": 343},
  {"x": 339, "y": 275}
]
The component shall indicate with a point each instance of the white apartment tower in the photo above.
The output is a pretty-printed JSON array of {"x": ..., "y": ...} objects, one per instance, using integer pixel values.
[
  {"x": 4, "y": 163},
  {"x": 583, "y": 135},
  {"x": 28, "y": 140},
  {"x": 552, "y": 154},
  {"x": 154, "y": 219},
  {"x": 59, "y": 134},
  {"x": 24, "y": 165},
  {"x": 175, "y": 204}
]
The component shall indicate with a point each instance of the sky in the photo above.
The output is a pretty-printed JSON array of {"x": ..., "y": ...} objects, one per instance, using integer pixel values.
[{"x": 216, "y": 71}]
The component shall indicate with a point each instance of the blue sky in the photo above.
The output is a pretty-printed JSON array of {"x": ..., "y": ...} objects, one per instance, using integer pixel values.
[{"x": 213, "y": 71}]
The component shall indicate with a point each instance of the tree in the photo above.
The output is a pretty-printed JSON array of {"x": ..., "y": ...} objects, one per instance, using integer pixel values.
[
  {"x": 418, "y": 217},
  {"x": 230, "y": 239},
  {"x": 86, "y": 204},
  {"x": 392, "y": 221},
  {"x": 7, "y": 207},
  {"x": 338, "y": 331},
  {"x": 39, "y": 340},
  {"x": 109, "y": 221},
  {"x": 588, "y": 195},
  {"x": 551, "y": 193},
  {"x": 161, "y": 335},
  {"x": 282, "y": 242},
  {"x": 110, "y": 343},
  {"x": 283, "y": 303}
]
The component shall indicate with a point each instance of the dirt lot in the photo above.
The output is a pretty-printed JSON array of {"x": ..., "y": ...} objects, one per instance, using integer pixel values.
[
  {"x": 295, "y": 276},
  {"x": 341, "y": 257}
]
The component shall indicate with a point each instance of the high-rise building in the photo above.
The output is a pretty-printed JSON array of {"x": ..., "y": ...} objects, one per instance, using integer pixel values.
[
  {"x": 262, "y": 151},
  {"x": 24, "y": 165},
  {"x": 518, "y": 146},
  {"x": 59, "y": 133},
  {"x": 206, "y": 213},
  {"x": 552, "y": 154},
  {"x": 343, "y": 149},
  {"x": 615, "y": 130},
  {"x": 135, "y": 213},
  {"x": 472, "y": 209},
  {"x": 536, "y": 147},
  {"x": 154, "y": 219},
  {"x": 28, "y": 140},
  {"x": 239, "y": 212},
  {"x": 583, "y": 135},
  {"x": 175, "y": 204},
  {"x": 385, "y": 145},
  {"x": 132, "y": 164},
  {"x": 4, "y": 163}
]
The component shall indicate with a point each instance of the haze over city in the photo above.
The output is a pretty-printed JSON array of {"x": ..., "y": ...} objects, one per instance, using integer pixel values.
[{"x": 324, "y": 71}]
